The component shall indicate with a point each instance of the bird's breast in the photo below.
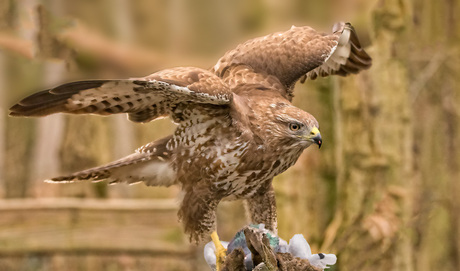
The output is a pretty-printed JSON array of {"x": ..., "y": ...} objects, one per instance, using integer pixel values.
[
  {"x": 249, "y": 172},
  {"x": 213, "y": 150}
]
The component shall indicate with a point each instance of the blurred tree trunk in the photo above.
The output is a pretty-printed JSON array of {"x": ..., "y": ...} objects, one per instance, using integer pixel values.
[
  {"x": 122, "y": 129},
  {"x": 436, "y": 99},
  {"x": 45, "y": 162},
  {"x": 2, "y": 123},
  {"x": 452, "y": 115},
  {"x": 88, "y": 140},
  {"x": 19, "y": 137},
  {"x": 374, "y": 157},
  {"x": 45, "y": 155}
]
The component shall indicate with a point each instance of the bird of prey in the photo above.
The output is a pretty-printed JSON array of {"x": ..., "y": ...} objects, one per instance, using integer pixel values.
[{"x": 236, "y": 126}]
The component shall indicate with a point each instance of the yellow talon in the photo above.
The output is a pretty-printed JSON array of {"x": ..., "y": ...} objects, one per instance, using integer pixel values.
[{"x": 221, "y": 252}]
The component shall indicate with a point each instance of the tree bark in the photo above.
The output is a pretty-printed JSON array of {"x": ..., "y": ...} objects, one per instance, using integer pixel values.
[{"x": 373, "y": 204}]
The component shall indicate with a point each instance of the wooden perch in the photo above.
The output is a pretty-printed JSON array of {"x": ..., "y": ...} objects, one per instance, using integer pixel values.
[{"x": 91, "y": 226}]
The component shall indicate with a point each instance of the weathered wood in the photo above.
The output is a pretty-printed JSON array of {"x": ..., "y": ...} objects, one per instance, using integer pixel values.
[{"x": 76, "y": 226}]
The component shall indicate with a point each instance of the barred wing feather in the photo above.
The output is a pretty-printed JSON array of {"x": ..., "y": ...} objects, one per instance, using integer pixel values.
[{"x": 144, "y": 99}]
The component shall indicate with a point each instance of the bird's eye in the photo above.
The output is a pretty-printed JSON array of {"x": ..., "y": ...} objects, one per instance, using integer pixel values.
[{"x": 294, "y": 126}]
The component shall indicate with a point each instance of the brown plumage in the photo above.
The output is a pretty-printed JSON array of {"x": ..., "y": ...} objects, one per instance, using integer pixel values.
[{"x": 236, "y": 126}]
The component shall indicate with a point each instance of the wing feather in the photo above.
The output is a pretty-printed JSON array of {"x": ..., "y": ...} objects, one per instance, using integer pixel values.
[
  {"x": 346, "y": 57},
  {"x": 286, "y": 55},
  {"x": 151, "y": 164},
  {"x": 298, "y": 53},
  {"x": 144, "y": 99}
]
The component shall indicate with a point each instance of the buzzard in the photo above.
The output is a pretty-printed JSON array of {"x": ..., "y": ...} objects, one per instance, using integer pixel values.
[{"x": 236, "y": 126}]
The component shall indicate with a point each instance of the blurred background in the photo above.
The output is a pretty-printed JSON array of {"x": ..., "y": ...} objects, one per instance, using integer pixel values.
[{"x": 383, "y": 193}]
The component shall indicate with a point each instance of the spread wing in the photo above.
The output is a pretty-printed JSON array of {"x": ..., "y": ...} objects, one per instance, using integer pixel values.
[
  {"x": 143, "y": 99},
  {"x": 300, "y": 51}
]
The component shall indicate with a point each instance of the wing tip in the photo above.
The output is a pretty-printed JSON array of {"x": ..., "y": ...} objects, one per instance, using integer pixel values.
[
  {"x": 39, "y": 110},
  {"x": 358, "y": 59},
  {"x": 50, "y": 101},
  {"x": 59, "y": 180},
  {"x": 339, "y": 26}
]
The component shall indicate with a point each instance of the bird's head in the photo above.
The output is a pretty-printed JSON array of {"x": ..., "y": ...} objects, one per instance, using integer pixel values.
[
  {"x": 294, "y": 126},
  {"x": 273, "y": 119}
]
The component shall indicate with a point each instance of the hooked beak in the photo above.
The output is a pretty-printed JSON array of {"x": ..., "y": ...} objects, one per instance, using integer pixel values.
[{"x": 315, "y": 137}]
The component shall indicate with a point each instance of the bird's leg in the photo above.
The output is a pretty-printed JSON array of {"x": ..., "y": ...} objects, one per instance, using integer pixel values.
[
  {"x": 198, "y": 211},
  {"x": 221, "y": 252},
  {"x": 261, "y": 208}
]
